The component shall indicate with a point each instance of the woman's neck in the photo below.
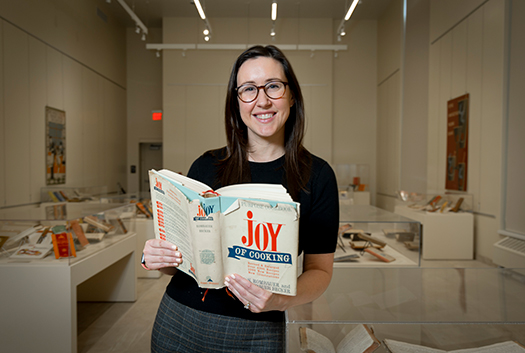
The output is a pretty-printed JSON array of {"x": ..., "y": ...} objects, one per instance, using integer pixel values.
[{"x": 265, "y": 154}]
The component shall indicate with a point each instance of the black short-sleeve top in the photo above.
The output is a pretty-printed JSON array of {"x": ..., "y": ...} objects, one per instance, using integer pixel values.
[{"x": 318, "y": 225}]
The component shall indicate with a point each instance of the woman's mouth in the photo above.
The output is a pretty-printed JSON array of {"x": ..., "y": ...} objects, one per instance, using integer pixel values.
[{"x": 264, "y": 117}]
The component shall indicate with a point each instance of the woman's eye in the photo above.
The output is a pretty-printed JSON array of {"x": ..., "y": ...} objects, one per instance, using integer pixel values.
[{"x": 248, "y": 89}]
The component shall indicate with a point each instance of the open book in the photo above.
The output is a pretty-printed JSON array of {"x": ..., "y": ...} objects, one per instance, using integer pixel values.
[
  {"x": 249, "y": 229},
  {"x": 360, "y": 339},
  {"x": 503, "y": 347}
]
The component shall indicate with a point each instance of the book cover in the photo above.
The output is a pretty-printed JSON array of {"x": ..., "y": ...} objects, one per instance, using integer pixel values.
[
  {"x": 63, "y": 245},
  {"x": 249, "y": 229}
]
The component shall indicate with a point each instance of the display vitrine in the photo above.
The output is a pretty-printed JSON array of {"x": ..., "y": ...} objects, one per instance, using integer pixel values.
[
  {"x": 40, "y": 293},
  {"x": 372, "y": 237},
  {"x": 441, "y": 308}
]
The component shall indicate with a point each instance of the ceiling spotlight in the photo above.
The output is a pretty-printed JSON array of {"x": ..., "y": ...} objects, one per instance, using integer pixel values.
[
  {"x": 143, "y": 36},
  {"x": 272, "y": 32},
  {"x": 199, "y": 9},
  {"x": 206, "y": 38},
  {"x": 158, "y": 54},
  {"x": 206, "y": 31},
  {"x": 137, "y": 30},
  {"x": 274, "y": 11},
  {"x": 343, "y": 32},
  {"x": 351, "y": 10}
]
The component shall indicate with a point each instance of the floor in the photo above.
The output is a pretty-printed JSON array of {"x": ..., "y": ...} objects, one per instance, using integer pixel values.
[
  {"x": 126, "y": 327},
  {"x": 120, "y": 327}
]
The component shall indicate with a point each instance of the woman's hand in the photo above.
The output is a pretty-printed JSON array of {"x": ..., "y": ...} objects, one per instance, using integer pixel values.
[
  {"x": 252, "y": 296},
  {"x": 160, "y": 254},
  {"x": 317, "y": 272}
]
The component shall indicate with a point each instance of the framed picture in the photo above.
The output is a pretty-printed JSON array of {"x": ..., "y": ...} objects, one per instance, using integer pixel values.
[
  {"x": 457, "y": 143},
  {"x": 55, "y": 146}
]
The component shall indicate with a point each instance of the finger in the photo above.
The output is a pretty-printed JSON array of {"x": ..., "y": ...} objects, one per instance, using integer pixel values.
[{"x": 158, "y": 243}]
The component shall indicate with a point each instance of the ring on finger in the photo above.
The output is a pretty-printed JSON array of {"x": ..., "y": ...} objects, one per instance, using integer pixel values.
[{"x": 247, "y": 305}]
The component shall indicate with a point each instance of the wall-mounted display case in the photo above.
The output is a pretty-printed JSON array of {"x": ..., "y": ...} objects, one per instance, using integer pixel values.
[
  {"x": 397, "y": 238},
  {"x": 442, "y": 308},
  {"x": 40, "y": 294}
]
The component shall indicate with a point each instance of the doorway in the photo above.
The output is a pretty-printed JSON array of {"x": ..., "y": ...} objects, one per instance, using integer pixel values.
[{"x": 150, "y": 158}]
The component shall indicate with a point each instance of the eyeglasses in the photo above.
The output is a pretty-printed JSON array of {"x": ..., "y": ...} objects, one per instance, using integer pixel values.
[{"x": 273, "y": 90}]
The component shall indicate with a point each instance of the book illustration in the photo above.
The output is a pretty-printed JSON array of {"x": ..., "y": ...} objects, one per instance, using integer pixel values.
[
  {"x": 360, "y": 339},
  {"x": 32, "y": 251},
  {"x": 394, "y": 346},
  {"x": 248, "y": 229}
]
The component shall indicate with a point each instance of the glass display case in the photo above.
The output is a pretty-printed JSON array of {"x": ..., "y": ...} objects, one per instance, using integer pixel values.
[
  {"x": 439, "y": 201},
  {"x": 46, "y": 266},
  {"x": 64, "y": 193},
  {"x": 372, "y": 237},
  {"x": 64, "y": 231},
  {"x": 442, "y": 308}
]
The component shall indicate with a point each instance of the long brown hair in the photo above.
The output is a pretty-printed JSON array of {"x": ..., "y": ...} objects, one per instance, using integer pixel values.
[{"x": 235, "y": 168}]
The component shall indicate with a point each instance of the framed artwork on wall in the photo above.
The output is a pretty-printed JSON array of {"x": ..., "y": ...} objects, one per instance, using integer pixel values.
[
  {"x": 457, "y": 143},
  {"x": 55, "y": 146}
]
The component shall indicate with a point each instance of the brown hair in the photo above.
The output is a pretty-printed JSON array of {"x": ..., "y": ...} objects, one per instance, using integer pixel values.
[{"x": 235, "y": 168}]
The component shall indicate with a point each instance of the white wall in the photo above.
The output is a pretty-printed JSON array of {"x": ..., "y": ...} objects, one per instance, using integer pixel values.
[
  {"x": 63, "y": 56},
  {"x": 144, "y": 94},
  {"x": 339, "y": 91},
  {"x": 389, "y": 87},
  {"x": 469, "y": 57}
]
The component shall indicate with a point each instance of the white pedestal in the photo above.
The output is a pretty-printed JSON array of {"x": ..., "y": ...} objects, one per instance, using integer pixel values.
[
  {"x": 144, "y": 229},
  {"x": 445, "y": 236},
  {"x": 39, "y": 310}
]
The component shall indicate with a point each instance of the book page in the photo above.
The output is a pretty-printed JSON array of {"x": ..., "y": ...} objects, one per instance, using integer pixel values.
[
  {"x": 358, "y": 340},
  {"x": 503, "y": 347},
  {"x": 190, "y": 183},
  {"x": 205, "y": 227},
  {"x": 403, "y": 347},
  {"x": 314, "y": 342},
  {"x": 260, "y": 242},
  {"x": 171, "y": 219}
]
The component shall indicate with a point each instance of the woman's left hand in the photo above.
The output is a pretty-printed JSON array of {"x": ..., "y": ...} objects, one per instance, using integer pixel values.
[{"x": 252, "y": 296}]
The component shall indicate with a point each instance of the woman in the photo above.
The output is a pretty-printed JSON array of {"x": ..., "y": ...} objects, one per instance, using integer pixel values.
[{"x": 264, "y": 127}]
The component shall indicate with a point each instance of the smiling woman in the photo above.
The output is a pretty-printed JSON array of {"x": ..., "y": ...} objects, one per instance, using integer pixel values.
[{"x": 264, "y": 132}]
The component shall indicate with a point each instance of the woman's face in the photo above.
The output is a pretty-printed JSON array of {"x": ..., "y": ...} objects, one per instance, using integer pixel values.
[{"x": 264, "y": 117}]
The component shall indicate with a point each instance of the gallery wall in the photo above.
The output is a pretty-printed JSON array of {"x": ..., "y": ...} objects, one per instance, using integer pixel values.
[
  {"x": 469, "y": 57},
  {"x": 65, "y": 57}
]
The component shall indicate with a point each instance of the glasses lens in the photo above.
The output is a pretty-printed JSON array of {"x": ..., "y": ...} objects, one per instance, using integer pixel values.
[
  {"x": 274, "y": 90},
  {"x": 247, "y": 93}
]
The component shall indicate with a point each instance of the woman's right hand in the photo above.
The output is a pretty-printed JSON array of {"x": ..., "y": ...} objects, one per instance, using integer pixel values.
[{"x": 160, "y": 254}]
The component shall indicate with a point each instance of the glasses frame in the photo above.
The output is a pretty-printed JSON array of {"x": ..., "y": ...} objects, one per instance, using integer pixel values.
[{"x": 258, "y": 89}]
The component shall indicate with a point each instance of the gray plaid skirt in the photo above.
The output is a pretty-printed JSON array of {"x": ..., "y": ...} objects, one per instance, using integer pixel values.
[{"x": 181, "y": 329}]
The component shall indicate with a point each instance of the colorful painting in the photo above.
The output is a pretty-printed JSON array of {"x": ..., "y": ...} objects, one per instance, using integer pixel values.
[
  {"x": 55, "y": 146},
  {"x": 457, "y": 143}
]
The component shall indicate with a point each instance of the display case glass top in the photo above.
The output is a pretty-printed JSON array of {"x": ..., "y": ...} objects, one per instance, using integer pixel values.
[{"x": 372, "y": 237}]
